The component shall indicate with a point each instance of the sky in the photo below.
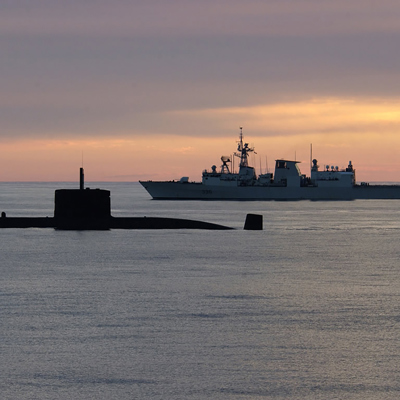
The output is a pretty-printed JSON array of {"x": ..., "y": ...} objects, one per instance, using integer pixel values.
[{"x": 151, "y": 89}]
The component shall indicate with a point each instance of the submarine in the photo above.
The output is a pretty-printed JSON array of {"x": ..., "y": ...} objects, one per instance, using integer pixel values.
[{"x": 90, "y": 209}]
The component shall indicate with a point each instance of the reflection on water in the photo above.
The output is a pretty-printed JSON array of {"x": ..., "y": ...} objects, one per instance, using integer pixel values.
[{"x": 306, "y": 309}]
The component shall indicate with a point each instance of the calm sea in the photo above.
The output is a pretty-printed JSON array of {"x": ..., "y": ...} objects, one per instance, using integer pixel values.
[{"x": 308, "y": 308}]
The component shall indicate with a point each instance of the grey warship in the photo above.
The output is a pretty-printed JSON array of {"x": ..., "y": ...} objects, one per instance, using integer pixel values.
[{"x": 286, "y": 183}]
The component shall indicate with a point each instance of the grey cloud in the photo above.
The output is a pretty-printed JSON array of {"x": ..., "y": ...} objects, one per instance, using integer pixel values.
[
  {"x": 199, "y": 18},
  {"x": 99, "y": 67}
]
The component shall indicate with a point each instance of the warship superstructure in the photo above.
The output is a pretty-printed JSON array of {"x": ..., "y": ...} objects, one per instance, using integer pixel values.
[{"x": 286, "y": 183}]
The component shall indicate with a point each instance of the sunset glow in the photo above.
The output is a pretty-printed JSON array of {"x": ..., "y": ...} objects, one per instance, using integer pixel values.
[{"x": 339, "y": 130}]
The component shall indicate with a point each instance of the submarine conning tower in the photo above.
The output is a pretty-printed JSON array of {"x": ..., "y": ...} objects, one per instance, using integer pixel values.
[{"x": 82, "y": 208}]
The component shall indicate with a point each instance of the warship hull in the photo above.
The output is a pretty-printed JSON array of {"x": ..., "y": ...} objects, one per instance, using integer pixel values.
[{"x": 198, "y": 191}]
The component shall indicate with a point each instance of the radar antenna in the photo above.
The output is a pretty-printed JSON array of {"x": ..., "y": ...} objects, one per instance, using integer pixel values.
[
  {"x": 224, "y": 167},
  {"x": 243, "y": 150}
]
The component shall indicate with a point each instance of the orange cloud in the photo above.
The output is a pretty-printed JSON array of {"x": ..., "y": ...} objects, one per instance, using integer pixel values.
[
  {"x": 362, "y": 130},
  {"x": 309, "y": 117}
]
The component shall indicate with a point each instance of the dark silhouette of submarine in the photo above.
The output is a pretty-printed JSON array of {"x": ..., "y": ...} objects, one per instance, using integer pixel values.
[{"x": 90, "y": 209}]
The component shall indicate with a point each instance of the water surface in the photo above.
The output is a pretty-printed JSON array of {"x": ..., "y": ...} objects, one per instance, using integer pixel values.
[{"x": 308, "y": 308}]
